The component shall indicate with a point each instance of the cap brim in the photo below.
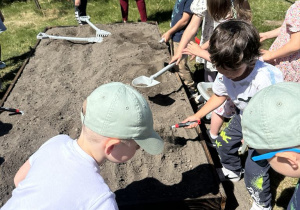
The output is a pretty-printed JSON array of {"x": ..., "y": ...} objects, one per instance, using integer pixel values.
[{"x": 153, "y": 144}]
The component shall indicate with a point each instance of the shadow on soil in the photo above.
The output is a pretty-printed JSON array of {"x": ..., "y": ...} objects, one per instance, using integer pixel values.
[
  {"x": 159, "y": 196},
  {"x": 4, "y": 128}
]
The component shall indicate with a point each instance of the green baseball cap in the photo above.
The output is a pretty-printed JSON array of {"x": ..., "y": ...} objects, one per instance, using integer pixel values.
[
  {"x": 271, "y": 120},
  {"x": 119, "y": 111}
]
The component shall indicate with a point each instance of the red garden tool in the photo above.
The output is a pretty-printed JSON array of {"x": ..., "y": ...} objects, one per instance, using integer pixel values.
[
  {"x": 12, "y": 110},
  {"x": 182, "y": 125}
]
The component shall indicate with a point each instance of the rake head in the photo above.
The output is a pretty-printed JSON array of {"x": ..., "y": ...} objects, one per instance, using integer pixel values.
[{"x": 102, "y": 33}]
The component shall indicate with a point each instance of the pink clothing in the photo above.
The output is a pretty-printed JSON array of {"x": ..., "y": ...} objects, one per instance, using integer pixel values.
[
  {"x": 290, "y": 65},
  {"x": 141, "y": 7}
]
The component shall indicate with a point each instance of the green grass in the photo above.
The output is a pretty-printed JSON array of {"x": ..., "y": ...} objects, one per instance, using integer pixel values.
[{"x": 24, "y": 21}]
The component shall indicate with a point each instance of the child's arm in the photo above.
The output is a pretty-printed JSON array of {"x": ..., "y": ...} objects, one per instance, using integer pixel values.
[
  {"x": 269, "y": 34},
  {"x": 178, "y": 26},
  {"x": 189, "y": 32},
  {"x": 214, "y": 102},
  {"x": 195, "y": 50},
  {"x": 205, "y": 45},
  {"x": 289, "y": 48},
  {"x": 22, "y": 173}
]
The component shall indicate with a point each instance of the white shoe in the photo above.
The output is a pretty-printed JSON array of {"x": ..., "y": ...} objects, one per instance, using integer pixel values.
[
  {"x": 229, "y": 175},
  {"x": 78, "y": 18},
  {"x": 255, "y": 206},
  {"x": 2, "y": 65}
]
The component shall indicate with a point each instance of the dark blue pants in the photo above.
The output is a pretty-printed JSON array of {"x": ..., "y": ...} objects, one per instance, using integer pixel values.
[{"x": 256, "y": 173}]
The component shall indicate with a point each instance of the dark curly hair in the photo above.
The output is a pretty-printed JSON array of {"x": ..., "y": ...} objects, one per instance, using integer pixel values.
[{"x": 234, "y": 43}]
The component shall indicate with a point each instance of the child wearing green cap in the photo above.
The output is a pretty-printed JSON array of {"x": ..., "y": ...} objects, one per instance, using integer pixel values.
[
  {"x": 271, "y": 125},
  {"x": 234, "y": 50},
  {"x": 65, "y": 174}
]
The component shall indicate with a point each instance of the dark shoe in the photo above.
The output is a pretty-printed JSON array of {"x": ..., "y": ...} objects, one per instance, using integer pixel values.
[
  {"x": 210, "y": 142},
  {"x": 193, "y": 93}
]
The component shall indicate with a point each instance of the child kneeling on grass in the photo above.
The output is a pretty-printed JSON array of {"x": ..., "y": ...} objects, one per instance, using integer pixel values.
[
  {"x": 65, "y": 174},
  {"x": 234, "y": 50},
  {"x": 271, "y": 125}
]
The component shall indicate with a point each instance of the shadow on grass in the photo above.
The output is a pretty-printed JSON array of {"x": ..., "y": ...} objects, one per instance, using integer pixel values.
[
  {"x": 291, "y": 2},
  {"x": 285, "y": 197},
  {"x": 17, "y": 61},
  {"x": 160, "y": 16},
  {"x": 19, "y": 58},
  {"x": 276, "y": 179}
]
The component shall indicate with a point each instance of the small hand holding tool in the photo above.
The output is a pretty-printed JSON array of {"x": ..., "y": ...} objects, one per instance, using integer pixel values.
[
  {"x": 181, "y": 125},
  {"x": 12, "y": 110}
]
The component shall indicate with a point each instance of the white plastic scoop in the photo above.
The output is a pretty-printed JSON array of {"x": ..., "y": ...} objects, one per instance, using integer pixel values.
[{"x": 143, "y": 81}]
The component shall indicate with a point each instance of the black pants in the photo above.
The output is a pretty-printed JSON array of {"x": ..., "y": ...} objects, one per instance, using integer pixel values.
[
  {"x": 256, "y": 173},
  {"x": 81, "y": 9}
]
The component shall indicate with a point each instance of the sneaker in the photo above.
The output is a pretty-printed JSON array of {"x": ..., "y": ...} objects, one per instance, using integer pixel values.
[
  {"x": 228, "y": 175},
  {"x": 2, "y": 65},
  {"x": 77, "y": 18},
  {"x": 193, "y": 93},
  {"x": 255, "y": 206}
]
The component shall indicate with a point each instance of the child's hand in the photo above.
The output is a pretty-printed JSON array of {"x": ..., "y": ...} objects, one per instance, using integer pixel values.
[
  {"x": 267, "y": 55},
  {"x": 191, "y": 118},
  {"x": 192, "y": 49},
  {"x": 263, "y": 36},
  {"x": 77, "y": 3},
  {"x": 176, "y": 58},
  {"x": 166, "y": 36}
]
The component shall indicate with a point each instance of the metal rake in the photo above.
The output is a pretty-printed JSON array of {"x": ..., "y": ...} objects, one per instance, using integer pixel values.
[{"x": 99, "y": 32}]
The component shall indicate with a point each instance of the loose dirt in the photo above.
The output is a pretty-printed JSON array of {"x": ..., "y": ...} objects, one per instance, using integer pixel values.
[{"x": 61, "y": 74}]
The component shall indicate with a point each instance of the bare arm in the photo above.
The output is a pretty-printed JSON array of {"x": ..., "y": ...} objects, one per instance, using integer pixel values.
[
  {"x": 22, "y": 173},
  {"x": 178, "y": 26},
  {"x": 213, "y": 103},
  {"x": 269, "y": 34},
  {"x": 189, "y": 32},
  {"x": 289, "y": 48},
  {"x": 195, "y": 50}
]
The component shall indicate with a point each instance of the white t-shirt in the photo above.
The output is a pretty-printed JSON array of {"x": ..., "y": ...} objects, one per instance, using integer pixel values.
[
  {"x": 240, "y": 92},
  {"x": 62, "y": 176}
]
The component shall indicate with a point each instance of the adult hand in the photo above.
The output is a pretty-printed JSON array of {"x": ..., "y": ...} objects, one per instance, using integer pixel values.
[{"x": 191, "y": 118}]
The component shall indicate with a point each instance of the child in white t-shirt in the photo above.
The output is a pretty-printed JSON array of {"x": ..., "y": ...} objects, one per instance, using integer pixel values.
[
  {"x": 65, "y": 174},
  {"x": 234, "y": 50}
]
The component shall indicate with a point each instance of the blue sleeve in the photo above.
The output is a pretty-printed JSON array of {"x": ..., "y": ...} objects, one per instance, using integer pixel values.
[{"x": 187, "y": 6}]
